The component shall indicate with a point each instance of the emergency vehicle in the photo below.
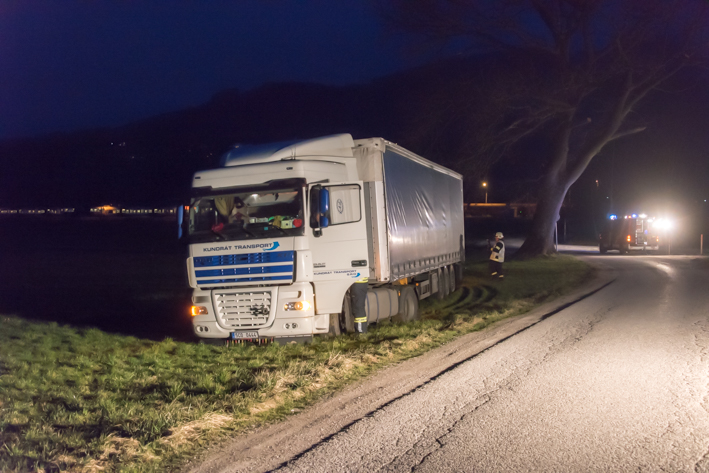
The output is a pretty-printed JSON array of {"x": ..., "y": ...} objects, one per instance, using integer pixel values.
[{"x": 629, "y": 233}]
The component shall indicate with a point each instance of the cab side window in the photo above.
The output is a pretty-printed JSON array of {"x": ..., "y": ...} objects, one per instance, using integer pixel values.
[{"x": 344, "y": 204}]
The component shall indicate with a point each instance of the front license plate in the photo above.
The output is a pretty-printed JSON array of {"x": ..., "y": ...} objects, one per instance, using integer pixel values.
[{"x": 243, "y": 335}]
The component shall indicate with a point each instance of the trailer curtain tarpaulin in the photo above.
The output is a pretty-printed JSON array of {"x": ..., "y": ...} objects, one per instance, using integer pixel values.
[{"x": 424, "y": 215}]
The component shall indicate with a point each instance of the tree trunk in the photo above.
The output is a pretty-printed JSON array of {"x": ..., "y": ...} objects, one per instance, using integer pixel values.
[{"x": 540, "y": 239}]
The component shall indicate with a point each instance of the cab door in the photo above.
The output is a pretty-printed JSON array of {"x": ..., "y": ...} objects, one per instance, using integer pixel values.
[{"x": 338, "y": 241}]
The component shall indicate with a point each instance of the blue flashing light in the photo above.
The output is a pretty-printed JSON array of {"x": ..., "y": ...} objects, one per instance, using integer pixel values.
[
  {"x": 634, "y": 215},
  {"x": 613, "y": 217}
]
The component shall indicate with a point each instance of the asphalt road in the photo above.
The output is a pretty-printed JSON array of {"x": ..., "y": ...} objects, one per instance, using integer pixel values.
[{"x": 618, "y": 381}]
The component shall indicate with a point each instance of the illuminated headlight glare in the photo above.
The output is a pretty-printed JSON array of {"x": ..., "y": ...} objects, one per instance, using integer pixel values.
[
  {"x": 663, "y": 224},
  {"x": 300, "y": 305},
  {"x": 198, "y": 310}
]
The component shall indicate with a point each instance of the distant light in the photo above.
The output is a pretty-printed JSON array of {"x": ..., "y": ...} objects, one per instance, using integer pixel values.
[
  {"x": 643, "y": 215},
  {"x": 634, "y": 215},
  {"x": 613, "y": 217}
]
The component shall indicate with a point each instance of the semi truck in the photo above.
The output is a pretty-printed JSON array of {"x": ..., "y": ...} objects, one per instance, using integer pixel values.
[{"x": 279, "y": 233}]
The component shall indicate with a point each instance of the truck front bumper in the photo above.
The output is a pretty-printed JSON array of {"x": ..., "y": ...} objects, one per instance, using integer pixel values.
[
  {"x": 643, "y": 247},
  {"x": 267, "y": 312}
]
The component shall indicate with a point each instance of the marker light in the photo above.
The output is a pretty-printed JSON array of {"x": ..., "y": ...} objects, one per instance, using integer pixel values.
[
  {"x": 628, "y": 238},
  {"x": 300, "y": 305},
  {"x": 198, "y": 310},
  {"x": 642, "y": 215}
]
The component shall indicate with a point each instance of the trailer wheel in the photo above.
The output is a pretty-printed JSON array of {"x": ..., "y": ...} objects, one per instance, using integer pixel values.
[
  {"x": 602, "y": 249},
  {"x": 441, "y": 292},
  {"x": 451, "y": 278},
  {"x": 458, "y": 270},
  {"x": 408, "y": 305},
  {"x": 445, "y": 284}
]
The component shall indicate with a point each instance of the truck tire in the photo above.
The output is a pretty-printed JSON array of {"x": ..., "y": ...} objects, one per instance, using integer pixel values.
[
  {"x": 408, "y": 305},
  {"x": 445, "y": 284},
  {"x": 335, "y": 328},
  {"x": 440, "y": 293},
  {"x": 346, "y": 318},
  {"x": 451, "y": 278},
  {"x": 458, "y": 269}
]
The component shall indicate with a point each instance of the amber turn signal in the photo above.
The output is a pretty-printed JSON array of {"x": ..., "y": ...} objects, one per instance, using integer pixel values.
[{"x": 198, "y": 310}]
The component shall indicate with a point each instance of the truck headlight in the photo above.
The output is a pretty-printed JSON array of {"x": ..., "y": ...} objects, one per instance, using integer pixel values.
[
  {"x": 198, "y": 310},
  {"x": 300, "y": 305}
]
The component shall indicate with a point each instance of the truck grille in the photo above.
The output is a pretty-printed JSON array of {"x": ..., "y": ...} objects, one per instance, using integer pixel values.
[
  {"x": 243, "y": 309},
  {"x": 244, "y": 269}
]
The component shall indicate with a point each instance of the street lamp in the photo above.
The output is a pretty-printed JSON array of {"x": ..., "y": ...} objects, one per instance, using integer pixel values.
[{"x": 485, "y": 186}]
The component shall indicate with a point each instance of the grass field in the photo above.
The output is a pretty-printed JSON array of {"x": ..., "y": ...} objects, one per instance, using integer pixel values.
[{"x": 86, "y": 400}]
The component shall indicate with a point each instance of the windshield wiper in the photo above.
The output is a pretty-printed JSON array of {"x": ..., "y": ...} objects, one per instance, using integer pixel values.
[{"x": 248, "y": 232}]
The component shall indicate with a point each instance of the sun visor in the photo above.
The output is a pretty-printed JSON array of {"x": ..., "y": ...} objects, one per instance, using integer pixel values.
[{"x": 333, "y": 145}]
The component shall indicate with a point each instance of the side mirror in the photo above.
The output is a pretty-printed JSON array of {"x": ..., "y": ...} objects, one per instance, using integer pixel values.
[
  {"x": 324, "y": 208},
  {"x": 319, "y": 209},
  {"x": 315, "y": 210},
  {"x": 183, "y": 218}
]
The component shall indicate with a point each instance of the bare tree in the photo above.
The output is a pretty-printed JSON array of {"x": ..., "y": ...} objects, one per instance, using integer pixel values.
[{"x": 576, "y": 70}]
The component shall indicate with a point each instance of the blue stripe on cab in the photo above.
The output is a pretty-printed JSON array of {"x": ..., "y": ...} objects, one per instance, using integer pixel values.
[
  {"x": 245, "y": 258},
  {"x": 254, "y": 279},
  {"x": 286, "y": 268}
]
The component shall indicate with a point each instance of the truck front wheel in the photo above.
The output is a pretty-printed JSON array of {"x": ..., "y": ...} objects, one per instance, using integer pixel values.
[
  {"x": 335, "y": 328},
  {"x": 346, "y": 316},
  {"x": 408, "y": 305},
  {"x": 342, "y": 322}
]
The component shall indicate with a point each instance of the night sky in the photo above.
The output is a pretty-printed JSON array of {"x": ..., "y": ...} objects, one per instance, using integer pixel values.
[{"x": 69, "y": 65}]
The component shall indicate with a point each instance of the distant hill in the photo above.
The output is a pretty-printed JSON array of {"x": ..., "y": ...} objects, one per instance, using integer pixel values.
[{"x": 151, "y": 161}]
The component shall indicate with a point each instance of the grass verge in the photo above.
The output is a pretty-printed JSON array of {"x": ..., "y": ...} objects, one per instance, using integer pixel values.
[{"x": 86, "y": 400}]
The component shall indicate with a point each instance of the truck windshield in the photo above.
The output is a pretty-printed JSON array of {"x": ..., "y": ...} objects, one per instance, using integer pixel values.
[{"x": 247, "y": 213}]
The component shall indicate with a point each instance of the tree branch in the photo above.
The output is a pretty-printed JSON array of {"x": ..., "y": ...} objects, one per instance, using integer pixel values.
[{"x": 627, "y": 132}]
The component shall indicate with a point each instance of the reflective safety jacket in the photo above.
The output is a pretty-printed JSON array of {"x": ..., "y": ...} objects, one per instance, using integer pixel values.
[{"x": 498, "y": 252}]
